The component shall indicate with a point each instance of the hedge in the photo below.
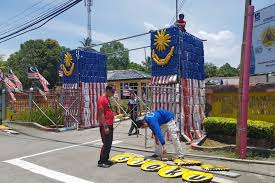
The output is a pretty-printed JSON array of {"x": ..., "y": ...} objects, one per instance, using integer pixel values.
[{"x": 227, "y": 126}]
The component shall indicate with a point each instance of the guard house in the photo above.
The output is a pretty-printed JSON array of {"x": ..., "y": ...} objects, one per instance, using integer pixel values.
[
  {"x": 84, "y": 80},
  {"x": 178, "y": 78},
  {"x": 124, "y": 79}
]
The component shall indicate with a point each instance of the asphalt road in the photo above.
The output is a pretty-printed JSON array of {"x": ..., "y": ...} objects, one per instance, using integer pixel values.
[{"x": 36, "y": 156}]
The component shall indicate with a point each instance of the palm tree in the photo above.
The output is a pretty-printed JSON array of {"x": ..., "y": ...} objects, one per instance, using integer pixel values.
[{"x": 86, "y": 44}]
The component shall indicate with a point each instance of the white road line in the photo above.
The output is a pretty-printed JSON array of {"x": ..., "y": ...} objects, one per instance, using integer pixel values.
[
  {"x": 114, "y": 142},
  {"x": 59, "y": 149},
  {"x": 46, "y": 172}
]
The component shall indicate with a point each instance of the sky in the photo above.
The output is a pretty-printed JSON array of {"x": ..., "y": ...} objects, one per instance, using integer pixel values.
[{"x": 218, "y": 21}]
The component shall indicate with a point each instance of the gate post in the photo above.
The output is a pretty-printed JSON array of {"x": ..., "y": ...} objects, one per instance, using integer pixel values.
[
  {"x": 30, "y": 102},
  {"x": 3, "y": 106}
]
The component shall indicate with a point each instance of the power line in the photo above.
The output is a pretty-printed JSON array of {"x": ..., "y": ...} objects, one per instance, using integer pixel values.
[
  {"x": 20, "y": 13},
  {"x": 121, "y": 39},
  {"x": 46, "y": 19},
  {"x": 11, "y": 24},
  {"x": 41, "y": 15},
  {"x": 128, "y": 50}
]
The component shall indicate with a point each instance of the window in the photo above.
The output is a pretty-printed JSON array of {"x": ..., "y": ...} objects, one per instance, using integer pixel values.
[{"x": 124, "y": 89}]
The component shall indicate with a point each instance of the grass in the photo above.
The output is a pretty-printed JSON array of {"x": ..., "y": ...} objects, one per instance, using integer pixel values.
[
  {"x": 213, "y": 143},
  {"x": 57, "y": 115}
]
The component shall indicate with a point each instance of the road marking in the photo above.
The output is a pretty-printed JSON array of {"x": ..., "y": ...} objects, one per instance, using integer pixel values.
[
  {"x": 59, "y": 149},
  {"x": 114, "y": 142},
  {"x": 46, "y": 172}
]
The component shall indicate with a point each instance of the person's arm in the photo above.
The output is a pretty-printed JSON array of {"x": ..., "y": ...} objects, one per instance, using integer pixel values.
[
  {"x": 157, "y": 131},
  {"x": 101, "y": 116}
]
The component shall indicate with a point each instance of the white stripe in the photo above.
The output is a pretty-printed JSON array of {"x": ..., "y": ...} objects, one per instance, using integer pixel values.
[
  {"x": 59, "y": 149},
  {"x": 46, "y": 172},
  {"x": 113, "y": 143}
]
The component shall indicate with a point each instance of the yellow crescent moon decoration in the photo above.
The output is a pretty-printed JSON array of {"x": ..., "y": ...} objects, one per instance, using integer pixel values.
[
  {"x": 162, "y": 40},
  {"x": 68, "y": 62},
  {"x": 164, "y": 61},
  {"x": 186, "y": 162}
]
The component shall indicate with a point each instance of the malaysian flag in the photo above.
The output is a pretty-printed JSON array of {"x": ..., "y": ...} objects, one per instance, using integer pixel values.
[
  {"x": 14, "y": 78},
  {"x": 33, "y": 73},
  {"x": 10, "y": 86}
]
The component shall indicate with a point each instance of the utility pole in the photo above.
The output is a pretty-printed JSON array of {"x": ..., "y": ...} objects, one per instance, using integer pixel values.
[
  {"x": 241, "y": 128},
  {"x": 177, "y": 9},
  {"x": 89, "y": 4}
]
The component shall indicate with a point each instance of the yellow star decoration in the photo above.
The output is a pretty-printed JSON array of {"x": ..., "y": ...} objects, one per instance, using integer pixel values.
[
  {"x": 268, "y": 37},
  {"x": 162, "y": 40},
  {"x": 68, "y": 60}
]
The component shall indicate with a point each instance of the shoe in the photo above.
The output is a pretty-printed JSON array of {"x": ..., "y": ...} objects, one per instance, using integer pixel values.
[
  {"x": 154, "y": 156},
  {"x": 103, "y": 165},
  {"x": 109, "y": 163}
]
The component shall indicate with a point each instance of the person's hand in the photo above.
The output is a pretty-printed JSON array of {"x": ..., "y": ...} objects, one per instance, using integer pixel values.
[
  {"x": 106, "y": 129},
  {"x": 164, "y": 151},
  {"x": 156, "y": 140}
]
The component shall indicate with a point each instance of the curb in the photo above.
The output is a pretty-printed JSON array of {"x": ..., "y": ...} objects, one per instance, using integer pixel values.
[{"x": 40, "y": 127}]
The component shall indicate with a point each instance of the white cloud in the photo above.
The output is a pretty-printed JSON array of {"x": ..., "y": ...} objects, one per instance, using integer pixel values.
[
  {"x": 221, "y": 47},
  {"x": 5, "y": 53},
  {"x": 150, "y": 26},
  {"x": 65, "y": 27}
]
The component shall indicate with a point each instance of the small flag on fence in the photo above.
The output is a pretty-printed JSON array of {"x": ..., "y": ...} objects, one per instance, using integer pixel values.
[
  {"x": 33, "y": 73},
  {"x": 14, "y": 78}
]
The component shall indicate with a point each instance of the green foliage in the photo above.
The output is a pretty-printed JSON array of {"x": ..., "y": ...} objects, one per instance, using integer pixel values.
[
  {"x": 227, "y": 71},
  {"x": 210, "y": 70},
  {"x": 45, "y": 54},
  {"x": 227, "y": 126},
  {"x": 117, "y": 56},
  {"x": 147, "y": 65},
  {"x": 86, "y": 42},
  {"x": 36, "y": 116},
  {"x": 137, "y": 67}
]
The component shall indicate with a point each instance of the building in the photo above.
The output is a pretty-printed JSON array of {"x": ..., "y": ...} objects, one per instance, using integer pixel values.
[
  {"x": 254, "y": 80},
  {"x": 122, "y": 80}
]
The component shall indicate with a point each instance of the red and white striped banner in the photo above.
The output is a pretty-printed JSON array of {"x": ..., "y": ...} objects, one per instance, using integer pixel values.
[{"x": 89, "y": 95}]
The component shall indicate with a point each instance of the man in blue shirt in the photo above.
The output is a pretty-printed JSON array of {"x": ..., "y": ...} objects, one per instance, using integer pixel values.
[{"x": 160, "y": 122}]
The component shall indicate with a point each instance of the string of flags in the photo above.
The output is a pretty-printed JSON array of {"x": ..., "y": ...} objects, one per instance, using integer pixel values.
[
  {"x": 15, "y": 79},
  {"x": 33, "y": 73},
  {"x": 10, "y": 86}
]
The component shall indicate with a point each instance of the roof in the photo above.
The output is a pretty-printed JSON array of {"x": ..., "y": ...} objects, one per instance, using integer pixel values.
[{"x": 116, "y": 75}]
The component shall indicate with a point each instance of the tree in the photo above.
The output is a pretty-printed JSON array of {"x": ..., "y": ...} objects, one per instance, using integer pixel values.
[
  {"x": 147, "y": 64},
  {"x": 45, "y": 54},
  {"x": 87, "y": 42},
  {"x": 117, "y": 55},
  {"x": 227, "y": 71},
  {"x": 136, "y": 66},
  {"x": 210, "y": 70}
]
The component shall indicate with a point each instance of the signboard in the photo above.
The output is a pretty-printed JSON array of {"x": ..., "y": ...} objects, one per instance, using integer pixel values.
[{"x": 263, "y": 50}]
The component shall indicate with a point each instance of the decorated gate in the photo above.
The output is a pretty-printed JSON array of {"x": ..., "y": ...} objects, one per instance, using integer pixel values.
[
  {"x": 178, "y": 77},
  {"x": 84, "y": 80}
]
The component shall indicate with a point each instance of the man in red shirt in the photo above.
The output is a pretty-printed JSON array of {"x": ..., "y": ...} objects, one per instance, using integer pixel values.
[
  {"x": 181, "y": 23},
  {"x": 105, "y": 120}
]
